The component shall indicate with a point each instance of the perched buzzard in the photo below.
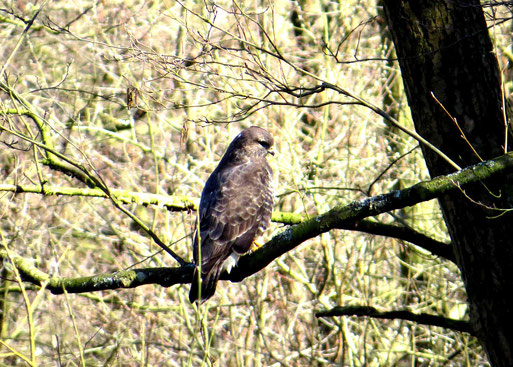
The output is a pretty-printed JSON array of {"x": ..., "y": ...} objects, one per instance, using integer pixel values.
[{"x": 235, "y": 207}]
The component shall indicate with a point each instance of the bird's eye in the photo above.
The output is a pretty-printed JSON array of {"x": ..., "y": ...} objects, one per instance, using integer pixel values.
[{"x": 265, "y": 144}]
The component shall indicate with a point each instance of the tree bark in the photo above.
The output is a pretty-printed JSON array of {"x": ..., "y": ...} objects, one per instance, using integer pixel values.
[{"x": 452, "y": 83}]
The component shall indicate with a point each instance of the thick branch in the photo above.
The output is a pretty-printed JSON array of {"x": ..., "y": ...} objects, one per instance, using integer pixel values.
[
  {"x": 410, "y": 235},
  {"x": 165, "y": 277},
  {"x": 421, "y": 318},
  {"x": 340, "y": 217},
  {"x": 437, "y": 248}
]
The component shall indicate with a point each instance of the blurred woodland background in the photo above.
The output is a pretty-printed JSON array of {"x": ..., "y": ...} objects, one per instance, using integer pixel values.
[{"x": 143, "y": 97}]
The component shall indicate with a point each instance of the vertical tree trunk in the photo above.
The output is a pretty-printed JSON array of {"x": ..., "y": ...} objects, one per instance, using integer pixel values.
[{"x": 445, "y": 52}]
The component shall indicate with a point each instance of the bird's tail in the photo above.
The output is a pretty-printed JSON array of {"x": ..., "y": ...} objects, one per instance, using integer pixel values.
[{"x": 208, "y": 285}]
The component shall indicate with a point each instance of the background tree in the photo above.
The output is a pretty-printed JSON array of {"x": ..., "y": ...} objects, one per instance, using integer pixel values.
[{"x": 113, "y": 115}]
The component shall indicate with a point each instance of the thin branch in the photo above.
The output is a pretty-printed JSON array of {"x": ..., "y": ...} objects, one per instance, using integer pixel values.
[
  {"x": 453, "y": 119},
  {"x": 81, "y": 169},
  {"x": 171, "y": 203},
  {"x": 324, "y": 84},
  {"x": 22, "y": 37},
  {"x": 369, "y": 190},
  {"x": 393, "y": 122},
  {"x": 420, "y": 318}
]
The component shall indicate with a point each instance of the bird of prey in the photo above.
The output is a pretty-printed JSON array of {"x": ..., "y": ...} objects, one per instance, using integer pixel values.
[{"x": 235, "y": 208}]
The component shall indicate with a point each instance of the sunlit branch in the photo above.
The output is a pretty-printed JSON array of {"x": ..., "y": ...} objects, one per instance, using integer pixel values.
[{"x": 171, "y": 203}]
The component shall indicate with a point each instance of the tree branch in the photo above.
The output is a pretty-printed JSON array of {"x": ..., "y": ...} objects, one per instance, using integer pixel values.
[
  {"x": 340, "y": 217},
  {"x": 343, "y": 215},
  {"x": 410, "y": 235},
  {"x": 421, "y": 318},
  {"x": 171, "y": 203},
  {"x": 132, "y": 278}
]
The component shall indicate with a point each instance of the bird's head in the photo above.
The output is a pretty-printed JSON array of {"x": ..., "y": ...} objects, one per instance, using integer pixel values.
[{"x": 253, "y": 142}]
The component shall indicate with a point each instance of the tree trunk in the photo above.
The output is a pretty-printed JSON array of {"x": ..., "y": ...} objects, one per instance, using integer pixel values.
[{"x": 445, "y": 52}]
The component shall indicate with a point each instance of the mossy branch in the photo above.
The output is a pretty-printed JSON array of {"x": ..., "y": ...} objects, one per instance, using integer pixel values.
[
  {"x": 339, "y": 217},
  {"x": 343, "y": 215},
  {"x": 121, "y": 279},
  {"x": 53, "y": 159},
  {"x": 171, "y": 203}
]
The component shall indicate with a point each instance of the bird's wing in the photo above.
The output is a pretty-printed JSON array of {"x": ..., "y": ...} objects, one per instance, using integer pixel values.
[{"x": 235, "y": 207}]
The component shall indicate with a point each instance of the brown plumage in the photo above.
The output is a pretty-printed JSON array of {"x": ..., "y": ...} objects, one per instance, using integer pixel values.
[{"x": 235, "y": 208}]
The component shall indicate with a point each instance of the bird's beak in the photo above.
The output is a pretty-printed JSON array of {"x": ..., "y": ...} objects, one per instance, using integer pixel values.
[{"x": 271, "y": 152}]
